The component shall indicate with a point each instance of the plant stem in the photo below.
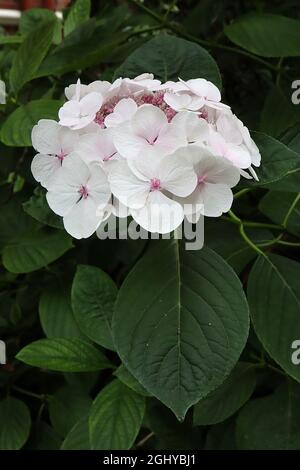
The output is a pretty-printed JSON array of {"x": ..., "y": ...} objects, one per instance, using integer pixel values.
[
  {"x": 145, "y": 439},
  {"x": 29, "y": 393},
  {"x": 289, "y": 212},
  {"x": 240, "y": 193},
  {"x": 291, "y": 244}
]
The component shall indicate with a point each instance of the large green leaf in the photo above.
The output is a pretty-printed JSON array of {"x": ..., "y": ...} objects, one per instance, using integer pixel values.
[
  {"x": 35, "y": 250},
  {"x": 278, "y": 160},
  {"x": 266, "y": 35},
  {"x": 184, "y": 334},
  {"x": 116, "y": 417},
  {"x": 282, "y": 208},
  {"x": 15, "y": 424},
  {"x": 274, "y": 299},
  {"x": 38, "y": 208},
  {"x": 275, "y": 123},
  {"x": 31, "y": 19},
  {"x": 66, "y": 407},
  {"x": 93, "y": 298},
  {"x": 84, "y": 47},
  {"x": 78, "y": 437},
  {"x": 271, "y": 423},
  {"x": 228, "y": 398},
  {"x": 16, "y": 130},
  {"x": 79, "y": 12},
  {"x": 56, "y": 312},
  {"x": 168, "y": 58},
  {"x": 31, "y": 54},
  {"x": 64, "y": 355}
]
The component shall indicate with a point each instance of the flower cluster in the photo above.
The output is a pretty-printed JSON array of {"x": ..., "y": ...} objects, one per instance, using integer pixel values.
[{"x": 156, "y": 151}]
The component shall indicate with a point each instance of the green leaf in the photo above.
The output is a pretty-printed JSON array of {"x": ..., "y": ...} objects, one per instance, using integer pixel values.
[
  {"x": 78, "y": 437},
  {"x": 221, "y": 436},
  {"x": 266, "y": 35},
  {"x": 14, "y": 222},
  {"x": 84, "y": 47},
  {"x": 31, "y": 54},
  {"x": 79, "y": 13},
  {"x": 9, "y": 39},
  {"x": 228, "y": 398},
  {"x": 16, "y": 130},
  {"x": 275, "y": 123},
  {"x": 35, "y": 250},
  {"x": 66, "y": 407},
  {"x": 64, "y": 355},
  {"x": 230, "y": 245},
  {"x": 278, "y": 160},
  {"x": 271, "y": 423},
  {"x": 185, "y": 333},
  {"x": 274, "y": 299},
  {"x": 168, "y": 58},
  {"x": 281, "y": 207},
  {"x": 15, "y": 424},
  {"x": 116, "y": 417},
  {"x": 44, "y": 437},
  {"x": 38, "y": 208},
  {"x": 93, "y": 298},
  {"x": 31, "y": 19},
  {"x": 169, "y": 432},
  {"x": 127, "y": 378},
  {"x": 56, "y": 314}
]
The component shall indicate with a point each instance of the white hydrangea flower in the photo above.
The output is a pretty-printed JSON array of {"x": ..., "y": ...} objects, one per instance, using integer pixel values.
[
  {"x": 54, "y": 143},
  {"x": 215, "y": 178},
  {"x": 156, "y": 151},
  {"x": 145, "y": 186},
  {"x": 148, "y": 132},
  {"x": 79, "y": 194}
]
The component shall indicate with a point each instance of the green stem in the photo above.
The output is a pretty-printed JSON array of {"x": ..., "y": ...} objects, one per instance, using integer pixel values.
[
  {"x": 240, "y": 193},
  {"x": 29, "y": 393},
  {"x": 249, "y": 241},
  {"x": 291, "y": 244},
  {"x": 289, "y": 212}
]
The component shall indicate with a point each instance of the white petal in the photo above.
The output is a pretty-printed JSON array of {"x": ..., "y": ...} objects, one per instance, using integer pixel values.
[
  {"x": 82, "y": 220},
  {"x": 97, "y": 147},
  {"x": 160, "y": 214},
  {"x": 227, "y": 126},
  {"x": 45, "y": 137},
  {"x": 128, "y": 144},
  {"x": 44, "y": 168},
  {"x": 148, "y": 121},
  {"x": 98, "y": 186},
  {"x": 238, "y": 155},
  {"x": 90, "y": 104},
  {"x": 69, "y": 113},
  {"x": 130, "y": 190},
  {"x": 177, "y": 175},
  {"x": 176, "y": 101},
  {"x": 217, "y": 198},
  {"x": 123, "y": 111}
]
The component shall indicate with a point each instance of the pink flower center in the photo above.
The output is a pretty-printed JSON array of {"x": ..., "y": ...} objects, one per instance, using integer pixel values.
[
  {"x": 83, "y": 191},
  {"x": 201, "y": 179},
  {"x": 155, "y": 184},
  {"x": 156, "y": 99},
  {"x": 61, "y": 155}
]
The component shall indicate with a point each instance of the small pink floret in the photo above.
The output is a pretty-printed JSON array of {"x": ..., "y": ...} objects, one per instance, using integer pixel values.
[
  {"x": 83, "y": 191},
  {"x": 155, "y": 184},
  {"x": 201, "y": 179}
]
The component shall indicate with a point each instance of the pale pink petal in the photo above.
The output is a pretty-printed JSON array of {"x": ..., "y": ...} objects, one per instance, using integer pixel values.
[
  {"x": 130, "y": 190},
  {"x": 160, "y": 214},
  {"x": 148, "y": 122},
  {"x": 82, "y": 220},
  {"x": 177, "y": 175},
  {"x": 44, "y": 168},
  {"x": 45, "y": 137}
]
